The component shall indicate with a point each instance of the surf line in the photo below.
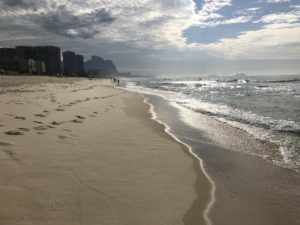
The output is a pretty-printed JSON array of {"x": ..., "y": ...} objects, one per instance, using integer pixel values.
[{"x": 212, "y": 183}]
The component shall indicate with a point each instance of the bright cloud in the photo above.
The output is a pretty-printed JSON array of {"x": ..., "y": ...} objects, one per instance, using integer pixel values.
[
  {"x": 277, "y": 1},
  {"x": 281, "y": 18}
]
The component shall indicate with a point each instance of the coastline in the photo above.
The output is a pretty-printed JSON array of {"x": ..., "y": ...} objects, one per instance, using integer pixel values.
[
  {"x": 250, "y": 190},
  {"x": 84, "y": 168},
  {"x": 198, "y": 167}
]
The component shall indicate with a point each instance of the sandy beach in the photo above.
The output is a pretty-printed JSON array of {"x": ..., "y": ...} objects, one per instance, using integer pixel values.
[{"x": 78, "y": 151}]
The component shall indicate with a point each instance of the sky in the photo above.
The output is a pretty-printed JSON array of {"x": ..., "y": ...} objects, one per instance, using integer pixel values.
[{"x": 164, "y": 37}]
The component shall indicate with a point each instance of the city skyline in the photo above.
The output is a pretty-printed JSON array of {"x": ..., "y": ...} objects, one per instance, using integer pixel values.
[{"x": 182, "y": 37}]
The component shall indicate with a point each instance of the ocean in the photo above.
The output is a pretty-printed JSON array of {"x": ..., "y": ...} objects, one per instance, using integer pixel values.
[
  {"x": 245, "y": 132},
  {"x": 267, "y": 108}
]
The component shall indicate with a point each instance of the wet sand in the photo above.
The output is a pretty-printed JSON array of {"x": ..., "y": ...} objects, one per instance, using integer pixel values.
[
  {"x": 75, "y": 151},
  {"x": 249, "y": 189}
]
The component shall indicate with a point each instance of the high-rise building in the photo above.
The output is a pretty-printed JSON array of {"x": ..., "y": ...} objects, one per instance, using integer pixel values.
[
  {"x": 40, "y": 67},
  {"x": 50, "y": 55},
  {"x": 79, "y": 64},
  {"x": 25, "y": 52},
  {"x": 8, "y": 59},
  {"x": 69, "y": 59}
]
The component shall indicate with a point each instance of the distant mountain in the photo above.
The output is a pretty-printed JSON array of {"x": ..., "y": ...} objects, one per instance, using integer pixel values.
[{"x": 99, "y": 66}]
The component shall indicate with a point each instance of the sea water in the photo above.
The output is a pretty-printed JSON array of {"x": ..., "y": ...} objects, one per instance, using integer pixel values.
[
  {"x": 267, "y": 108},
  {"x": 245, "y": 131}
]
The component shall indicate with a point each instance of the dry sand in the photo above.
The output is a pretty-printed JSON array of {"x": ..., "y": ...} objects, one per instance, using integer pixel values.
[{"x": 75, "y": 151}]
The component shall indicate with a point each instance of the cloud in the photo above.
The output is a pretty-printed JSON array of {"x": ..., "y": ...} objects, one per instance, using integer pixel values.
[
  {"x": 277, "y": 39},
  {"x": 278, "y": 1},
  {"x": 19, "y": 3},
  {"x": 281, "y": 18},
  {"x": 67, "y": 23},
  {"x": 208, "y": 16},
  {"x": 210, "y": 6},
  {"x": 153, "y": 30},
  {"x": 22, "y": 4},
  {"x": 276, "y": 36}
]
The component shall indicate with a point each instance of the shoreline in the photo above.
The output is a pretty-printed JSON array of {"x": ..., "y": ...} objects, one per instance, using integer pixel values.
[
  {"x": 198, "y": 165},
  {"x": 74, "y": 160},
  {"x": 250, "y": 190},
  {"x": 255, "y": 140}
]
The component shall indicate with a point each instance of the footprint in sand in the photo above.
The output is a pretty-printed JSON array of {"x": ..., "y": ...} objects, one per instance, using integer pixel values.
[
  {"x": 67, "y": 130},
  {"x": 38, "y": 122},
  {"x": 76, "y": 121},
  {"x": 40, "y": 115},
  {"x": 80, "y": 117},
  {"x": 1, "y": 125},
  {"x": 60, "y": 110},
  {"x": 53, "y": 99},
  {"x": 55, "y": 123},
  {"x": 2, "y": 143},
  {"x": 10, "y": 155},
  {"x": 20, "y": 118},
  {"x": 40, "y": 133},
  {"x": 23, "y": 129},
  {"x": 46, "y": 111},
  {"x": 62, "y": 137},
  {"x": 41, "y": 128},
  {"x": 93, "y": 114},
  {"x": 13, "y": 132}
]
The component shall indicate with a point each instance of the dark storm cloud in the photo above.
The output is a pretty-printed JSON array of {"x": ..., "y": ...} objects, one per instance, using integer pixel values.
[
  {"x": 66, "y": 23},
  {"x": 20, "y": 3}
]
